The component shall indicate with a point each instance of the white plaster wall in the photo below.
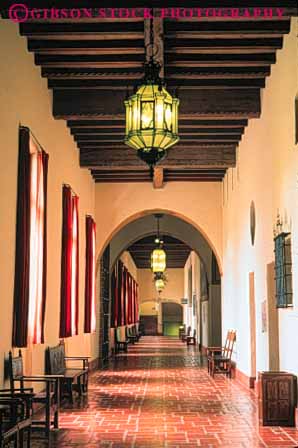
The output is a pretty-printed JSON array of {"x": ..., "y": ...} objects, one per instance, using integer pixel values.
[{"x": 267, "y": 172}]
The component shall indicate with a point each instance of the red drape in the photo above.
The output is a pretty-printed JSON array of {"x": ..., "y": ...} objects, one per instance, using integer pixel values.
[
  {"x": 75, "y": 275},
  {"x": 69, "y": 265},
  {"x": 129, "y": 301},
  {"x": 32, "y": 200},
  {"x": 90, "y": 311},
  {"x": 124, "y": 296}
]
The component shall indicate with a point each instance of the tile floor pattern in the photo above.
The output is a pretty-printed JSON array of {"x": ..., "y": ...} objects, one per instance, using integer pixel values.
[{"x": 160, "y": 395}]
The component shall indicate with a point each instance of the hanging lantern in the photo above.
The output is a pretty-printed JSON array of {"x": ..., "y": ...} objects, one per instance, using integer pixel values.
[
  {"x": 159, "y": 284},
  {"x": 158, "y": 256},
  {"x": 160, "y": 280},
  {"x": 158, "y": 260},
  {"x": 151, "y": 116}
]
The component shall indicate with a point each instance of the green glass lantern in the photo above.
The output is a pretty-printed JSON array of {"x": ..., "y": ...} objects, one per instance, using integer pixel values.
[
  {"x": 151, "y": 118},
  {"x": 158, "y": 260}
]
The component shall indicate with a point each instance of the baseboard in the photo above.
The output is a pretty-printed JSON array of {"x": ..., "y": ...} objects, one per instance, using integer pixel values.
[{"x": 245, "y": 380}]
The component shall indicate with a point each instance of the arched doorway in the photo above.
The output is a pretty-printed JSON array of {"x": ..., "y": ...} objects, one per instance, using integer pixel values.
[
  {"x": 179, "y": 228},
  {"x": 172, "y": 318}
]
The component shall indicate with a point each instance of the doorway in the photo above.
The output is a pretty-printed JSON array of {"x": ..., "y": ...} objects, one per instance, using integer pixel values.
[
  {"x": 252, "y": 318},
  {"x": 172, "y": 318}
]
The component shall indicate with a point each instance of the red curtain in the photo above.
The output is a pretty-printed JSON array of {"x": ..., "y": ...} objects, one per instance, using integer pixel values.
[
  {"x": 124, "y": 296},
  {"x": 31, "y": 248},
  {"x": 69, "y": 304},
  {"x": 129, "y": 297},
  {"x": 90, "y": 305}
]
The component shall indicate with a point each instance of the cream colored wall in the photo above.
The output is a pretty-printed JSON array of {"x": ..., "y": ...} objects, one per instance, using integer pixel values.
[
  {"x": 266, "y": 173},
  {"x": 197, "y": 203},
  {"x": 25, "y": 99},
  {"x": 172, "y": 291},
  {"x": 151, "y": 300},
  {"x": 149, "y": 308}
]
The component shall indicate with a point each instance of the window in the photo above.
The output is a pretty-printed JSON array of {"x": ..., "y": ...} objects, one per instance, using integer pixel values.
[
  {"x": 69, "y": 312},
  {"x": 31, "y": 248},
  {"x": 283, "y": 270},
  {"x": 90, "y": 305}
]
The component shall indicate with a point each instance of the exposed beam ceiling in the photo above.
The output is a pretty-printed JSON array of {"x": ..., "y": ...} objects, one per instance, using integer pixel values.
[
  {"x": 216, "y": 64},
  {"x": 177, "y": 252}
]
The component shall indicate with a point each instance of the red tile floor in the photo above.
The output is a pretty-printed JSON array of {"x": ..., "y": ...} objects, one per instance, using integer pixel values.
[{"x": 160, "y": 395}]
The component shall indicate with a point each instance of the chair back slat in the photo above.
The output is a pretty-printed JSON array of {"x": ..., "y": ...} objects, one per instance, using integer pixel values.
[{"x": 230, "y": 344}]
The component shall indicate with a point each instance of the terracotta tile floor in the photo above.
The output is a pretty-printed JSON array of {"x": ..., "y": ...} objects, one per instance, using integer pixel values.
[{"x": 160, "y": 395}]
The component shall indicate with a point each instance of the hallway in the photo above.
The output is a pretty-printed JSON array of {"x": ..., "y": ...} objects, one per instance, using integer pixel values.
[{"x": 160, "y": 395}]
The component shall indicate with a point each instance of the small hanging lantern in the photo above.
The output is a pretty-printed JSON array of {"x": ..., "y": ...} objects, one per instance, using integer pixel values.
[
  {"x": 158, "y": 256},
  {"x": 151, "y": 115},
  {"x": 158, "y": 260},
  {"x": 159, "y": 284},
  {"x": 160, "y": 280}
]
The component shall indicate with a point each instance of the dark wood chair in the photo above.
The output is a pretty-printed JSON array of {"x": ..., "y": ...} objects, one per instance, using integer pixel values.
[
  {"x": 135, "y": 331},
  {"x": 15, "y": 419},
  {"x": 184, "y": 336},
  {"x": 47, "y": 398},
  {"x": 192, "y": 340},
  {"x": 70, "y": 378},
  {"x": 132, "y": 338},
  {"x": 216, "y": 350},
  {"x": 121, "y": 343},
  {"x": 221, "y": 361}
]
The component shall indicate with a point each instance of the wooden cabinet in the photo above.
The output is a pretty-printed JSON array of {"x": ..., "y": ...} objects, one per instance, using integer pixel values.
[{"x": 277, "y": 393}]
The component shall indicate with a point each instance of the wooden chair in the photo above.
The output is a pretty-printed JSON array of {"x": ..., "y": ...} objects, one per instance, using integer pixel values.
[
  {"x": 192, "y": 340},
  {"x": 135, "y": 331},
  {"x": 216, "y": 350},
  {"x": 184, "y": 336},
  {"x": 48, "y": 398},
  {"x": 15, "y": 419},
  {"x": 121, "y": 344},
  {"x": 220, "y": 361},
  {"x": 70, "y": 378}
]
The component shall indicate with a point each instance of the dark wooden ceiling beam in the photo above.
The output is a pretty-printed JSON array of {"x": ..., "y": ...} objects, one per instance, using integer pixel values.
[
  {"x": 122, "y": 81},
  {"x": 213, "y": 156},
  {"x": 144, "y": 170},
  {"x": 183, "y": 123},
  {"x": 121, "y": 43},
  {"x": 90, "y": 61},
  {"x": 233, "y": 27},
  {"x": 104, "y": 140},
  {"x": 171, "y": 72},
  {"x": 218, "y": 60},
  {"x": 242, "y": 103},
  {"x": 94, "y": 132},
  {"x": 73, "y": 28},
  {"x": 137, "y": 60}
]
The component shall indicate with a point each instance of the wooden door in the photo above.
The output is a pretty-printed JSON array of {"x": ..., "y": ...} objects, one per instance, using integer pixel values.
[
  {"x": 149, "y": 323},
  {"x": 252, "y": 318},
  {"x": 272, "y": 318}
]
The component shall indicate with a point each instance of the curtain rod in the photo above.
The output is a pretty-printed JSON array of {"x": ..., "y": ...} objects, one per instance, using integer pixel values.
[
  {"x": 40, "y": 147},
  {"x": 72, "y": 190}
]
